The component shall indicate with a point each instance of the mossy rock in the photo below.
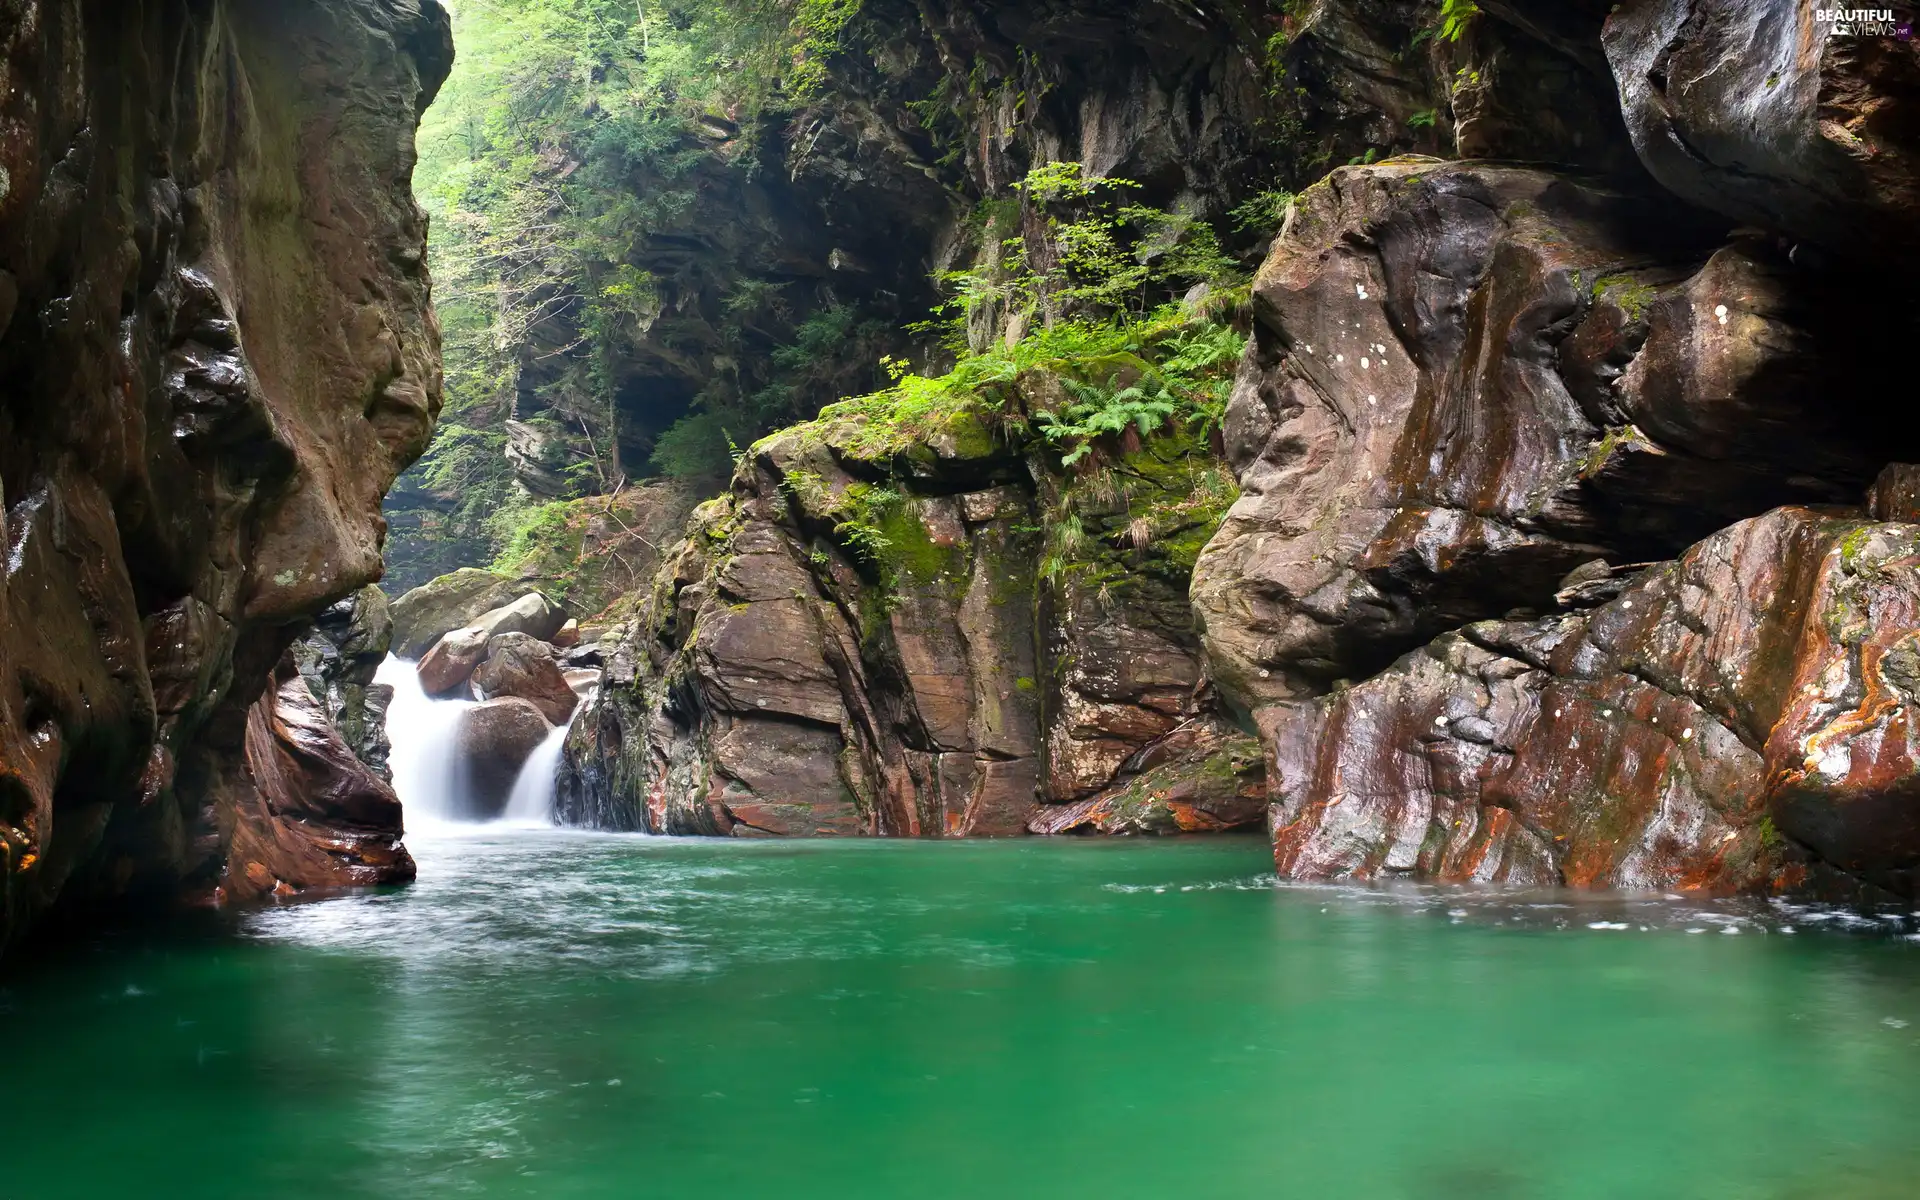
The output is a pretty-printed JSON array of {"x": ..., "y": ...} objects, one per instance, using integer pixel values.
[{"x": 427, "y": 613}]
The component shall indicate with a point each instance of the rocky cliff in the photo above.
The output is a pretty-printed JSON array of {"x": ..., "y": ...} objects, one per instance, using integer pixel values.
[
  {"x": 1552, "y": 558},
  {"x": 216, "y": 353},
  {"x": 1484, "y": 401},
  {"x": 900, "y": 630}
]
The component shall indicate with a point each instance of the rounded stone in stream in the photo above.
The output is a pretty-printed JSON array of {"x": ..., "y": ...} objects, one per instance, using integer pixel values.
[
  {"x": 496, "y": 740},
  {"x": 523, "y": 666},
  {"x": 447, "y": 667}
]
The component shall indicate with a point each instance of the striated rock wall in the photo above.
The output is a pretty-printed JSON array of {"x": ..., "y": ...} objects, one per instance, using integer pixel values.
[
  {"x": 1566, "y": 547},
  {"x": 216, "y": 353},
  {"x": 876, "y": 635},
  {"x": 1482, "y": 399}
]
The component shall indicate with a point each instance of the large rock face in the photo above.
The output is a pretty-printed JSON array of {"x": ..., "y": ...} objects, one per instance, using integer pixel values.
[
  {"x": 216, "y": 352},
  {"x": 1480, "y": 393},
  {"x": 1752, "y": 698},
  {"x": 1467, "y": 380},
  {"x": 863, "y": 640},
  {"x": 1755, "y": 109}
]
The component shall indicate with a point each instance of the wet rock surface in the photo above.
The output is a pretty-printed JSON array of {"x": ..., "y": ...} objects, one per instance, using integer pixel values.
[
  {"x": 1468, "y": 380},
  {"x": 523, "y": 666},
  {"x": 339, "y": 660},
  {"x": 1730, "y": 718},
  {"x": 497, "y": 738},
  {"x": 216, "y": 353},
  {"x": 306, "y": 815},
  {"x": 1751, "y": 108},
  {"x": 1204, "y": 777}
]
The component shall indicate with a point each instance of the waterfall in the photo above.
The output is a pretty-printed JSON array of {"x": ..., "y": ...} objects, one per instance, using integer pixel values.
[
  {"x": 532, "y": 798},
  {"x": 425, "y": 733},
  {"x": 428, "y": 773}
]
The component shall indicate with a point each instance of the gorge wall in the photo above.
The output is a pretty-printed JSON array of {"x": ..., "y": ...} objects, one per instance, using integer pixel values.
[
  {"x": 216, "y": 354},
  {"x": 1552, "y": 559}
]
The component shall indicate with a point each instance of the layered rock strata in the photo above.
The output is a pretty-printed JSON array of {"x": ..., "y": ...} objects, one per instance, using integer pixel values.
[
  {"x": 864, "y": 639},
  {"x": 216, "y": 353},
  {"x": 1482, "y": 398},
  {"x": 339, "y": 660}
]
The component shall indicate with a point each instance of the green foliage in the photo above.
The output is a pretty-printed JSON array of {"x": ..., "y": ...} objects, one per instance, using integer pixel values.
[
  {"x": 570, "y": 133},
  {"x": 1172, "y": 366},
  {"x": 1263, "y": 214},
  {"x": 1073, "y": 248},
  {"x": 1098, "y": 412},
  {"x": 696, "y": 447},
  {"x": 526, "y": 529},
  {"x": 1455, "y": 16}
]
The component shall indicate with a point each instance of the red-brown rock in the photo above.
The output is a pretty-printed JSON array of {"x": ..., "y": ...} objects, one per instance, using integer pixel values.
[
  {"x": 518, "y": 665},
  {"x": 1751, "y": 108},
  {"x": 307, "y": 815},
  {"x": 1468, "y": 379},
  {"x": 1727, "y": 719},
  {"x": 447, "y": 667},
  {"x": 219, "y": 353},
  {"x": 1203, "y": 778},
  {"x": 496, "y": 740}
]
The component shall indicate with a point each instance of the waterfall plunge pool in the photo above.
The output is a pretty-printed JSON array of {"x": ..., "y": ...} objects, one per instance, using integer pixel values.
[{"x": 557, "y": 1014}]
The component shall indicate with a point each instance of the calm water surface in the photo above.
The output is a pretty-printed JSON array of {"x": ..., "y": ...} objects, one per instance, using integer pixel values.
[{"x": 563, "y": 1015}]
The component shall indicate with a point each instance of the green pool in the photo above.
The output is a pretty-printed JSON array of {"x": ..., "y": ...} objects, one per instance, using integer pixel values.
[{"x": 567, "y": 1015}]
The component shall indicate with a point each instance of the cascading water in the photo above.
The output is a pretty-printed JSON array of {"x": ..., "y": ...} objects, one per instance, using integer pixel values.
[
  {"x": 532, "y": 800},
  {"x": 425, "y": 734},
  {"x": 428, "y": 772}
]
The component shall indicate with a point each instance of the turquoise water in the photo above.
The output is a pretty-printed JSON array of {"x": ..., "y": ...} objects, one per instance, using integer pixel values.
[{"x": 559, "y": 1015}]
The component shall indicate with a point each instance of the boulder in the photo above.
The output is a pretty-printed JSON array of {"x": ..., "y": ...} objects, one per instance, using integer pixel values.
[
  {"x": 532, "y": 614},
  {"x": 1747, "y": 717},
  {"x": 1753, "y": 110},
  {"x": 583, "y": 680},
  {"x": 568, "y": 637},
  {"x": 1896, "y": 494},
  {"x": 450, "y": 664},
  {"x": 518, "y": 665},
  {"x": 428, "y": 613},
  {"x": 309, "y": 817},
  {"x": 496, "y": 740}
]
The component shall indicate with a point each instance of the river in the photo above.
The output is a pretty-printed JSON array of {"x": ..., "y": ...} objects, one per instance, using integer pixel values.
[{"x": 556, "y": 1014}]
